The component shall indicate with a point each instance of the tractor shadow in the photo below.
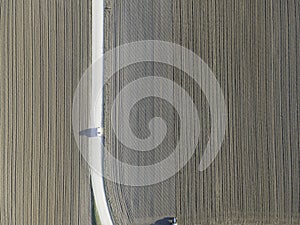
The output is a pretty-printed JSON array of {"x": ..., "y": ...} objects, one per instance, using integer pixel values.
[{"x": 164, "y": 221}]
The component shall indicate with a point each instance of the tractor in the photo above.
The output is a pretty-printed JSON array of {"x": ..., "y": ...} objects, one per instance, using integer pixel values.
[{"x": 173, "y": 221}]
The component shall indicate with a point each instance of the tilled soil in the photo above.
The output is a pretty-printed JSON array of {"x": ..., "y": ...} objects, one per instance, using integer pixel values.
[
  {"x": 253, "y": 49},
  {"x": 45, "y": 47}
]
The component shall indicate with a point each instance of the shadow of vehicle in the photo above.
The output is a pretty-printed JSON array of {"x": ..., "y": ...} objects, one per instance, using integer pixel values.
[{"x": 164, "y": 221}]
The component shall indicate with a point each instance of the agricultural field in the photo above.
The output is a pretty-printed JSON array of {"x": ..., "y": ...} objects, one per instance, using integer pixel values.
[
  {"x": 45, "y": 47},
  {"x": 253, "y": 48}
]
